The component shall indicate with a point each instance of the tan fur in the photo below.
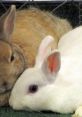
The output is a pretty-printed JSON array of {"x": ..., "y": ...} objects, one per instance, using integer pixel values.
[
  {"x": 31, "y": 27},
  {"x": 9, "y": 71}
]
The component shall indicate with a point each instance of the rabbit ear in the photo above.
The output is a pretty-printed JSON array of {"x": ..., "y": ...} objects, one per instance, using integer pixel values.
[
  {"x": 51, "y": 64},
  {"x": 45, "y": 49},
  {"x": 7, "y": 23}
]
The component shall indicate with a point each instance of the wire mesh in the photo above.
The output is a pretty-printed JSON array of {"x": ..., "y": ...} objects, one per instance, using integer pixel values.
[{"x": 69, "y": 9}]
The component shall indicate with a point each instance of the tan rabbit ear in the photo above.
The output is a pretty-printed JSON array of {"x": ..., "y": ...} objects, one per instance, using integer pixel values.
[
  {"x": 45, "y": 49},
  {"x": 51, "y": 64},
  {"x": 7, "y": 23}
]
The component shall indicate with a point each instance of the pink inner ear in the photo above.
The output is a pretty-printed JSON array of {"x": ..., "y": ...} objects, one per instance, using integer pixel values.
[{"x": 53, "y": 63}]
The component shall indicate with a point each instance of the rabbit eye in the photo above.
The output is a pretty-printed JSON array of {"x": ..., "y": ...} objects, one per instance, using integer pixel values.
[
  {"x": 12, "y": 57},
  {"x": 33, "y": 88}
]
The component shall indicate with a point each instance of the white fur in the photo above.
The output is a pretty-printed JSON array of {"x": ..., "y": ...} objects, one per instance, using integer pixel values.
[
  {"x": 64, "y": 94},
  {"x": 44, "y": 49}
]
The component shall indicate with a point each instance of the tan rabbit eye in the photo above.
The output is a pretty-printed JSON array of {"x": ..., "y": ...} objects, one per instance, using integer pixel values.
[
  {"x": 12, "y": 58},
  {"x": 33, "y": 88}
]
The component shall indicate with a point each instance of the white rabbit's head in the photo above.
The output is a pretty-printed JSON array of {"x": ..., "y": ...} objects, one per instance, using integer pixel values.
[{"x": 34, "y": 88}]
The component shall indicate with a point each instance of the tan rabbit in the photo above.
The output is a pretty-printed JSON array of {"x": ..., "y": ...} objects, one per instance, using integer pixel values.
[
  {"x": 18, "y": 51},
  {"x": 32, "y": 26}
]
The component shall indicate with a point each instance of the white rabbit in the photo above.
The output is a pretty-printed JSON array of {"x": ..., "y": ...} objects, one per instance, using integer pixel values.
[{"x": 55, "y": 82}]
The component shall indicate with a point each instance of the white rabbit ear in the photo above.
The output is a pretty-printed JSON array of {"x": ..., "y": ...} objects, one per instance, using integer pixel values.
[
  {"x": 7, "y": 23},
  {"x": 46, "y": 46},
  {"x": 51, "y": 64}
]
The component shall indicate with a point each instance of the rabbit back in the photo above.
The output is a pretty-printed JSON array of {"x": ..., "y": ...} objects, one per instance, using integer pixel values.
[
  {"x": 71, "y": 43},
  {"x": 32, "y": 26}
]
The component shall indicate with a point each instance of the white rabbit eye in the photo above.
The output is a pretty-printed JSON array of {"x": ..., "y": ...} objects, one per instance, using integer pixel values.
[{"x": 33, "y": 88}]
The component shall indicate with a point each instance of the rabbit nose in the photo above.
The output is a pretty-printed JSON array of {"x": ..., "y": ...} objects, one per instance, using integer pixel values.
[
  {"x": 5, "y": 87},
  {"x": 5, "y": 84}
]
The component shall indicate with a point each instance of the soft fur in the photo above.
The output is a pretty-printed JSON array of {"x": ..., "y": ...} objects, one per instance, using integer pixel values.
[
  {"x": 58, "y": 77},
  {"x": 32, "y": 26},
  {"x": 18, "y": 51}
]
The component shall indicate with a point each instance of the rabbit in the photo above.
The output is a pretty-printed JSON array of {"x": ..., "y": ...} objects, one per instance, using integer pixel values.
[
  {"x": 12, "y": 61},
  {"x": 55, "y": 81},
  {"x": 32, "y": 26},
  {"x": 20, "y": 36}
]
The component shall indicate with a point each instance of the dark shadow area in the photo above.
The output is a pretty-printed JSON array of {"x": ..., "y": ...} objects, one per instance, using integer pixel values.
[{"x": 69, "y": 10}]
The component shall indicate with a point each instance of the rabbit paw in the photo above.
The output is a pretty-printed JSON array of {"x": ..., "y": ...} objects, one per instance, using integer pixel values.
[
  {"x": 78, "y": 112},
  {"x": 4, "y": 99}
]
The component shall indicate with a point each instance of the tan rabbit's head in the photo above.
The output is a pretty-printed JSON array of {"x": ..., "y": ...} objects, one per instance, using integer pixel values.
[{"x": 12, "y": 62}]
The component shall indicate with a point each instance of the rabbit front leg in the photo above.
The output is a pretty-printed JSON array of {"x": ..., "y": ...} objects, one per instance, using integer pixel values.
[
  {"x": 78, "y": 112},
  {"x": 4, "y": 98}
]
